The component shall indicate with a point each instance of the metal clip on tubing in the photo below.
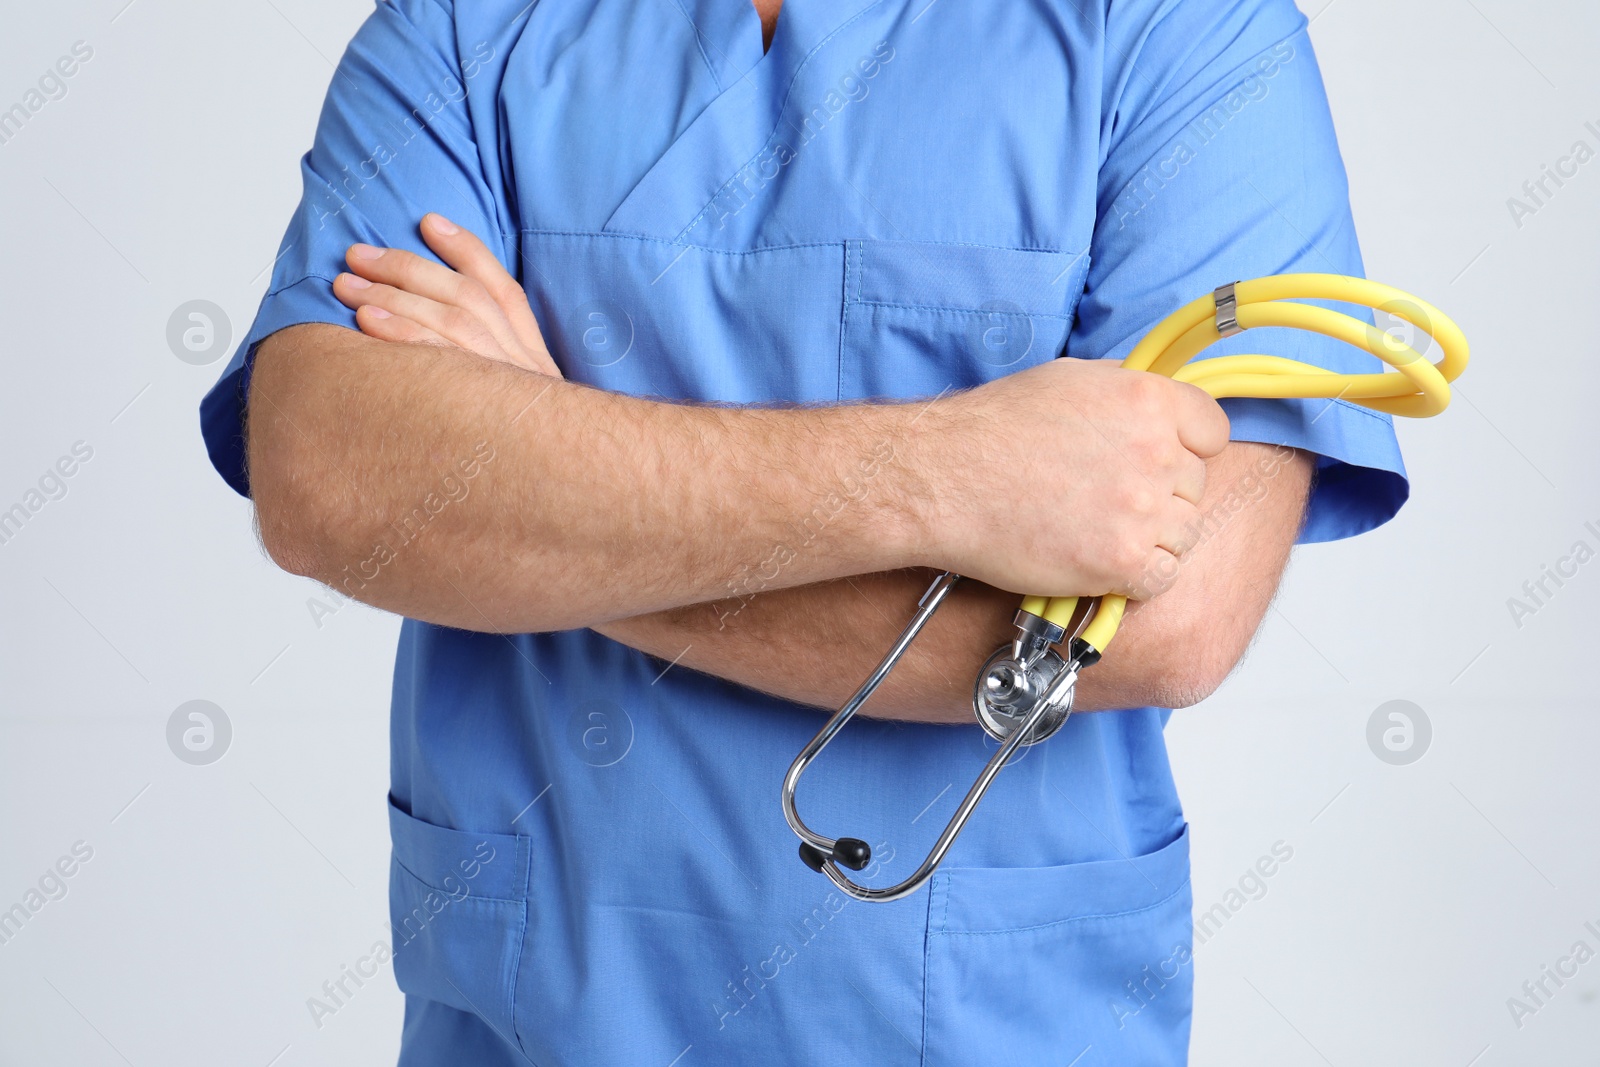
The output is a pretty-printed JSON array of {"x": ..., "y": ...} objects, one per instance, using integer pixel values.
[{"x": 1420, "y": 389}]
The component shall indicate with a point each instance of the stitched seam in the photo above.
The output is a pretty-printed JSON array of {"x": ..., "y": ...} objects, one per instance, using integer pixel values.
[
  {"x": 963, "y": 310},
  {"x": 980, "y": 244},
  {"x": 794, "y": 81},
  {"x": 1348, "y": 405},
  {"x": 525, "y": 844},
  {"x": 1075, "y": 919},
  {"x": 440, "y": 889},
  {"x": 522, "y": 940},
  {"x": 1368, "y": 412},
  {"x": 861, "y": 269},
  {"x": 1229, "y": 87},
  {"x": 844, "y": 322},
  {"x": 927, "y": 954},
  {"x": 306, "y": 277},
  {"x": 700, "y": 45},
  {"x": 677, "y": 243},
  {"x": 858, "y": 252},
  {"x": 516, "y": 983}
]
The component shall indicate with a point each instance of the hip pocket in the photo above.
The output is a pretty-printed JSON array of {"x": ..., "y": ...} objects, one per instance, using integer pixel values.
[
  {"x": 922, "y": 317},
  {"x": 1041, "y": 964},
  {"x": 458, "y": 910}
]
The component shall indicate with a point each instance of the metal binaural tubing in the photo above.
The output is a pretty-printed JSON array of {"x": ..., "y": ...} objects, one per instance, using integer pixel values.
[
  {"x": 925, "y": 608},
  {"x": 1060, "y": 689},
  {"x": 957, "y": 821}
]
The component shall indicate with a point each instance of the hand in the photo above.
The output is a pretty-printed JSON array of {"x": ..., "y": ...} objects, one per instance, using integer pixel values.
[
  {"x": 400, "y": 296},
  {"x": 1075, "y": 477}
]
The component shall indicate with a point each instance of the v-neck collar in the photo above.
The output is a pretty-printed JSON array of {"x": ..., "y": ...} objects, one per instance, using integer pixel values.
[
  {"x": 676, "y": 195},
  {"x": 729, "y": 35}
]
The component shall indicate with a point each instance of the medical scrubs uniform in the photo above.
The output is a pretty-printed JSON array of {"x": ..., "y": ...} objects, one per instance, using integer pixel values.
[{"x": 898, "y": 198}]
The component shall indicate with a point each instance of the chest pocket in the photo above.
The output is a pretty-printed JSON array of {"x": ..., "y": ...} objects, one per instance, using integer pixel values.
[{"x": 923, "y": 317}]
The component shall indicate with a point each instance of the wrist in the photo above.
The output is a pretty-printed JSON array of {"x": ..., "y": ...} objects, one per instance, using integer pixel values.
[{"x": 927, "y": 486}]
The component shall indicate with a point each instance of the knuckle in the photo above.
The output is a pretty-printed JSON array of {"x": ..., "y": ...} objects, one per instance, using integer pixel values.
[
  {"x": 1135, "y": 499},
  {"x": 1210, "y": 420},
  {"x": 1156, "y": 451},
  {"x": 470, "y": 293},
  {"x": 1127, "y": 560},
  {"x": 505, "y": 290},
  {"x": 1222, "y": 428},
  {"x": 400, "y": 328},
  {"x": 1147, "y": 393},
  {"x": 1168, "y": 452},
  {"x": 398, "y": 263},
  {"x": 455, "y": 319},
  {"x": 1138, "y": 442}
]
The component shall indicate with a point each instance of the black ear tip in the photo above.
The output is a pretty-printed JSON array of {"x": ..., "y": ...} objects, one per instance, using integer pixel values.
[
  {"x": 811, "y": 856},
  {"x": 852, "y": 852}
]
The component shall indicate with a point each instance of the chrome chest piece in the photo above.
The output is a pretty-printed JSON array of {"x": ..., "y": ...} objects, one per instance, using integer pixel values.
[{"x": 1018, "y": 677}]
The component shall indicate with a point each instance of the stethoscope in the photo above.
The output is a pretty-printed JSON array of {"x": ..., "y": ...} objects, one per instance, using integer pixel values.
[{"x": 1023, "y": 695}]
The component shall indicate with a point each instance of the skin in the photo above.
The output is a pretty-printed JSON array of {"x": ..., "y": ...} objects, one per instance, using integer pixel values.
[
  {"x": 679, "y": 503},
  {"x": 768, "y": 10},
  {"x": 815, "y": 644}
]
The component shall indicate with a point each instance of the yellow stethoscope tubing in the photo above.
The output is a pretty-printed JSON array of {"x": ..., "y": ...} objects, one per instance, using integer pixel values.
[{"x": 1415, "y": 388}]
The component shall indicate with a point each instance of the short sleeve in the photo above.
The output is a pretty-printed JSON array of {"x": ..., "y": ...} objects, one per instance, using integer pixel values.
[
  {"x": 394, "y": 141},
  {"x": 1219, "y": 163}
]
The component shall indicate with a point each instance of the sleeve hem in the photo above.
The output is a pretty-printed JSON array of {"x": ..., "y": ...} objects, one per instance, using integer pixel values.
[
  {"x": 1361, "y": 479},
  {"x": 222, "y": 409}
]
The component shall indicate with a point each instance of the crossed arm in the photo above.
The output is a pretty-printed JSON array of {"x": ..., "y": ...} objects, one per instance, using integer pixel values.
[
  {"x": 346, "y": 430},
  {"x": 816, "y": 643}
]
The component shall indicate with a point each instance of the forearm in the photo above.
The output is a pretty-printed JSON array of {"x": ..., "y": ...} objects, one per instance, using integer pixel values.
[
  {"x": 818, "y": 643},
  {"x": 815, "y": 644},
  {"x": 580, "y": 505}
]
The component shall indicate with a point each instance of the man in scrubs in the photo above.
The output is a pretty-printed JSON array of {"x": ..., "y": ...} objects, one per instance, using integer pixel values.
[{"x": 650, "y": 356}]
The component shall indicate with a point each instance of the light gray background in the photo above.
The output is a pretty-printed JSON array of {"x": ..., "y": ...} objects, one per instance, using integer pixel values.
[{"x": 219, "y": 898}]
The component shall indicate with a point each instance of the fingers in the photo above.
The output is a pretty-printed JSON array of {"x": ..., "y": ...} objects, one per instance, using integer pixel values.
[
  {"x": 1180, "y": 527},
  {"x": 451, "y": 324},
  {"x": 1178, "y": 530},
  {"x": 458, "y": 297},
  {"x": 381, "y": 325},
  {"x": 462, "y": 250},
  {"x": 1160, "y": 570},
  {"x": 1202, "y": 426},
  {"x": 1189, "y": 478}
]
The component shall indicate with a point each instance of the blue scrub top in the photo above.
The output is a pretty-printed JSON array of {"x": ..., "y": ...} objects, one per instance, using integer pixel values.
[{"x": 590, "y": 862}]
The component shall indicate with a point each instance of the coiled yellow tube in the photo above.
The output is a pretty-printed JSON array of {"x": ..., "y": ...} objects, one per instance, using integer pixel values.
[{"x": 1414, "y": 388}]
